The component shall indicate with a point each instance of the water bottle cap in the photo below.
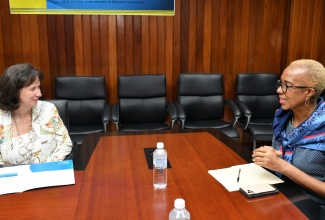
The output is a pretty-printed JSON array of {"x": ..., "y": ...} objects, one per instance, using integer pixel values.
[
  {"x": 179, "y": 203},
  {"x": 160, "y": 145}
]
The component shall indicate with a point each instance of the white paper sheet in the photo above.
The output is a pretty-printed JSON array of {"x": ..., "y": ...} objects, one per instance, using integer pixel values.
[
  {"x": 250, "y": 174},
  {"x": 17, "y": 179}
]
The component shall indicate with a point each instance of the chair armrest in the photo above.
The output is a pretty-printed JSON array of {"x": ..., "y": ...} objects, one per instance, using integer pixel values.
[
  {"x": 236, "y": 110},
  {"x": 115, "y": 115},
  {"x": 106, "y": 117},
  {"x": 106, "y": 113},
  {"x": 181, "y": 113},
  {"x": 172, "y": 113},
  {"x": 246, "y": 111},
  {"x": 244, "y": 108}
]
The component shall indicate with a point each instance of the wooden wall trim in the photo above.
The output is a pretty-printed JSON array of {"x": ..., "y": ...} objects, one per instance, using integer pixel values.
[{"x": 206, "y": 36}]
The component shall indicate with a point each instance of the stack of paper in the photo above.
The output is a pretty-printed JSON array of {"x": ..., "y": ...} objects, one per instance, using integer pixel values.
[
  {"x": 25, "y": 177},
  {"x": 250, "y": 174}
]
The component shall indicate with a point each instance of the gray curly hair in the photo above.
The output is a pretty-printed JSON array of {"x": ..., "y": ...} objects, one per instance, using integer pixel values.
[{"x": 315, "y": 74}]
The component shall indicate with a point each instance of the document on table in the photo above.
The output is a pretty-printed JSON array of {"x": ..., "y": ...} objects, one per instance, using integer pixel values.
[
  {"x": 250, "y": 174},
  {"x": 18, "y": 179}
]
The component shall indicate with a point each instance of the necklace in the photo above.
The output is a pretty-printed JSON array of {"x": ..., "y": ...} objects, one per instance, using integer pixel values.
[
  {"x": 14, "y": 119},
  {"x": 24, "y": 149},
  {"x": 13, "y": 116}
]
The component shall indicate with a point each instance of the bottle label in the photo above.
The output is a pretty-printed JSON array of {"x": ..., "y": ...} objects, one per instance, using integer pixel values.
[{"x": 160, "y": 163}]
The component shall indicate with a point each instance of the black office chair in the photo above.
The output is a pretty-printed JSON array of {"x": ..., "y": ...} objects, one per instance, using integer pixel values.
[
  {"x": 62, "y": 106},
  {"x": 88, "y": 111},
  {"x": 142, "y": 104},
  {"x": 201, "y": 103},
  {"x": 258, "y": 100}
]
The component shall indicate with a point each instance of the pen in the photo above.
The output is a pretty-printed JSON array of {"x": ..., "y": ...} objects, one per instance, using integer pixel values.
[
  {"x": 2, "y": 175},
  {"x": 238, "y": 175}
]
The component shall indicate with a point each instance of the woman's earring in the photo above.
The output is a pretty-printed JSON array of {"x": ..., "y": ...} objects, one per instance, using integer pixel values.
[{"x": 306, "y": 102}]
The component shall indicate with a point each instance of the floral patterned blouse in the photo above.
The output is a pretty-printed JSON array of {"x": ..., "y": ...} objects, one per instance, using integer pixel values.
[{"x": 47, "y": 141}]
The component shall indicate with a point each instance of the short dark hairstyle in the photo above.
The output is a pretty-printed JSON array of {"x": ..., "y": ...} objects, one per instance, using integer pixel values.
[{"x": 12, "y": 80}]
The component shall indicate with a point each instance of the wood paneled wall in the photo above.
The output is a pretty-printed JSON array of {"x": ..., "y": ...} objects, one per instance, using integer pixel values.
[{"x": 226, "y": 36}]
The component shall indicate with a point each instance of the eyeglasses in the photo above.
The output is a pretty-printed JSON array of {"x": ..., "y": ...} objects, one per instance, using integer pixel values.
[{"x": 285, "y": 87}]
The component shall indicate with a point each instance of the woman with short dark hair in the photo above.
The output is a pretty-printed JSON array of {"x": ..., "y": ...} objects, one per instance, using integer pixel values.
[{"x": 31, "y": 130}]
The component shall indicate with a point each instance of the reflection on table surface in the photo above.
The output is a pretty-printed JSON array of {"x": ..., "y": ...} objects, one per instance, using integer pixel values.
[
  {"x": 112, "y": 177},
  {"x": 200, "y": 146}
]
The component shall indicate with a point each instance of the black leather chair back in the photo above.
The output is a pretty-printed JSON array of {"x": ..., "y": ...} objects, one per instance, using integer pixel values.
[
  {"x": 258, "y": 92},
  {"x": 202, "y": 96},
  {"x": 142, "y": 98},
  {"x": 86, "y": 96}
]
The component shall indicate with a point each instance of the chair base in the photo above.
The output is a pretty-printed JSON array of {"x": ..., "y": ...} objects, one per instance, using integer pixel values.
[
  {"x": 260, "y": 133},
  {"x": 78, "y": 138},
  {"x": 144, "y": 127},
  {"x": 229, "y": 130}
]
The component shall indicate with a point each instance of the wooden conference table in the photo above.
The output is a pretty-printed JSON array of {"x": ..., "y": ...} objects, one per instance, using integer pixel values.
[{"x": 113, "y": 181}]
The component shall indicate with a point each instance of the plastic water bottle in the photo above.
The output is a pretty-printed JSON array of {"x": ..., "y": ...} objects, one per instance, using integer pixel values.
[
  {"x": 179, "y": 212},
  {"x": 160, "y": 167}
]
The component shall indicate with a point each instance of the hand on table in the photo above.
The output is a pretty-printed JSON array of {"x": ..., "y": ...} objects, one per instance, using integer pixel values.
[{"x": 268, "y": 157}]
